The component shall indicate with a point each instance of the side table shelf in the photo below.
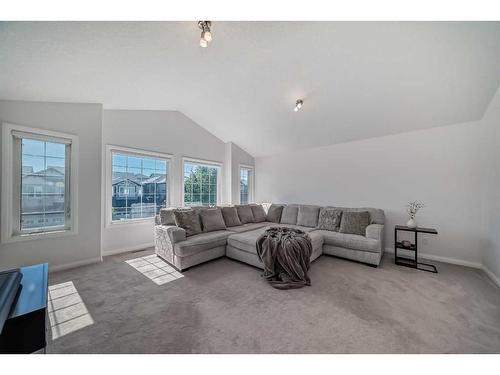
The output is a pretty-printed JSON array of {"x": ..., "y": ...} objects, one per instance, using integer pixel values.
[{"x": 412, "y": 262}]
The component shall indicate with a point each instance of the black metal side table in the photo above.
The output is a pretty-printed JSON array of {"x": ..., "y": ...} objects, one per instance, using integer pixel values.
[{"x": 412, "y": 262}]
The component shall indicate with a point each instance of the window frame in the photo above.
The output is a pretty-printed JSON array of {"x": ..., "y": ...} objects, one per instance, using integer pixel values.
[
  {"x": 251, "y": 182},
  {"x": 11, "y": 188},
  {"x": 108, "y": 192},
  {"x": 207, "y": 163}
]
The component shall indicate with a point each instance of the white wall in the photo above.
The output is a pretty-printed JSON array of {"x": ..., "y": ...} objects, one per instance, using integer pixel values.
[
  {"x": 83, "y": 120},
  {"x": 168, "y": 132},
  {"x": 491, "y": 191},
  {"x": 440, "y": 167}
]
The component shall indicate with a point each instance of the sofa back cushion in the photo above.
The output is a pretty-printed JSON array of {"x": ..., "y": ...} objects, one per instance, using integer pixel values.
[
  {"x": 329, "y": 219},
  {"x": 258, "y": 212},
  {"x": 274, "y": 213},
  {"x": 377, "y": 215},
  {"x": 308, "y": 216},
  {"x": 167, "y": 216},
  {"x": 189, "y": 220},
  {"x": 245, "y": 214},
  {"x": 230, "y": 215},
  {"x": 354, "y": 222},
  {"x": 212, "y": 220},
  {"x": 289, "y": 214}
]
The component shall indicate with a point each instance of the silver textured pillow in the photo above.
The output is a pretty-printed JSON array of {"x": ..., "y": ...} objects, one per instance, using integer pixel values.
[
  {"x": 189, "y": 220},
  {"x": 167, "y": 216},
  {"x": 259, "y": 215},
  {"x": 354, "y": 222},
  {"x": 212, "y": 220},
  {"x": 230, "y": 215},
  {"x": 245, "y": 214},
  {"x": 329, "y": 219}
]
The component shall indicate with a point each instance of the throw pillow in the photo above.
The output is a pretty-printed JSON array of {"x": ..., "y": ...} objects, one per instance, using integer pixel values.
[
  {"x": 245, "y": 214},
  {"x": 189, "y": 220},
  {"x": 329, "y": 219},
  {"x": 289, "y": 214},
  {"x": 354, "y": 222},
  {"x": 259, "y": 215},
  {"x": 230, "y": 215},
  {"x": 167, "y": 216},
  {"x": 274, "y": 213},
  {"x": 308, "y": 216},
  {"x": 212, "y": 220}
]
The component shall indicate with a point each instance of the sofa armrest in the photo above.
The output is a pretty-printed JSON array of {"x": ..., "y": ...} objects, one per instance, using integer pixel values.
[
  {"x": 165, "y": 238},
  {"x": 175, "y": 233},
  {"x": 375, "y": 231}
]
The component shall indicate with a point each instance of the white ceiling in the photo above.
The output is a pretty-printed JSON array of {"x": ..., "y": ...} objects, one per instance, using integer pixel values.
[{"x": 357, "y": 80}]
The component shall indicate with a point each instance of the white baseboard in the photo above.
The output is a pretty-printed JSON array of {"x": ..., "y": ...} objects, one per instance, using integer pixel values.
[
  {"x": 492, "y": 276},
  {"x": 67, "y": 266},
  {"x": 127, "y": 249},
  {"x": 438, "y": 258}
]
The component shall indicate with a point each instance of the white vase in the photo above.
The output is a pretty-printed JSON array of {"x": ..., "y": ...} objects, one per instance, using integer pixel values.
[{"x": 411, "y": 223}]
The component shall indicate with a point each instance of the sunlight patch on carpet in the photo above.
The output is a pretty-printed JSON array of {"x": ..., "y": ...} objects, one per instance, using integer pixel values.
[
  {"x": 155, "y": 269},
  {"x": 67, "y": 312}
]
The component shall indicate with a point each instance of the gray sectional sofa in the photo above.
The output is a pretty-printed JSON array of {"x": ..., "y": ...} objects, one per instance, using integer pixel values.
[{"x": 239, "y": 241}]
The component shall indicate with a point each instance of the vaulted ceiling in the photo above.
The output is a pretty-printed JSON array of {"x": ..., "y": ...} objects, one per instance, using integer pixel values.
[{"x": 357, "y": 79}]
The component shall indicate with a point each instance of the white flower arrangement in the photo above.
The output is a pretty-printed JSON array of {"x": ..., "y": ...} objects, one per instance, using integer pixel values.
[{"x": 413, "y": 207}]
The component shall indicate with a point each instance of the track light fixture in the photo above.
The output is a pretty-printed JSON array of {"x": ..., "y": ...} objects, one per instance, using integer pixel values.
[
  {"x": 298, "y": 105},
  {"x": 206, "y": 35}
]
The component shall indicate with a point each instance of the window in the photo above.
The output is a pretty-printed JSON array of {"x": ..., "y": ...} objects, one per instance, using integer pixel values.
[
  {"x": 201, "y": 183},
  {"x": 39, "y": 188},
  {"x": 139, "y": 184},
  {"x": 246, "y": 185}
]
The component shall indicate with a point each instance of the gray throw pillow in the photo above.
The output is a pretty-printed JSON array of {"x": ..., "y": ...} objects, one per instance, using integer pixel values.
[
  {"x": 354, "y": 222},
  {"x": 189, "y": 220},
  {"x": 308, "y": 216},
  {"x": 167, "y": 216},
  {"x": 245, "y": 214},
  {"x": 259, "y": 215},
  {"x": 212, "y": 220},
  {"x": 230, "y": 215},
  {"x": 274, "y": 213},
  {"x": 329, "y": 219},
  {"x": 289, "y": 214}
]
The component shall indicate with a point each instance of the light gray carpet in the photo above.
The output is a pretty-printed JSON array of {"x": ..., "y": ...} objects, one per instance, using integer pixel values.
[{"x": 226, "y": 307}]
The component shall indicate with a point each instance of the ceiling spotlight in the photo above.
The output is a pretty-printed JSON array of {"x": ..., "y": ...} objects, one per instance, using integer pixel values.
[
  {"x": 206, "y": 35},
  {"x": 298, "y": 105}
]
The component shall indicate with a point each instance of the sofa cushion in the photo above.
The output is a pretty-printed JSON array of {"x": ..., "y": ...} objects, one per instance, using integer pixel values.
[
  {"x": 212, "y": 220},
  {"x": 201, "y": 242},
  {"x": 274, "y": 213},
  {"x": 289, "y": 214},
  {"x": 308, "y": 216},
  {"x": 354, "y": 222},
  {"x": 250, "y": 226},
  {"x": 189, "y": 220},
  {"x": 329, "y": 219},
  {"x": 230, "y": 215},
  {"x": 167, "y": 216},
  {"x": 245, "y": 214},
  {"x": 377, "y": 215},
  {"x": 259, "y": 215},
  {"x": 350, "y": 241}
]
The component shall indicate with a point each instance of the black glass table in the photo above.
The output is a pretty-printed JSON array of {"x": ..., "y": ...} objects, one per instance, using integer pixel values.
[{"x": 413, "y": 247}]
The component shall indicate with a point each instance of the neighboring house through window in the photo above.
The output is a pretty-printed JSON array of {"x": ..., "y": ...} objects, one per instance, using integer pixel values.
[
  {"x": 246, "y": 185},
  {"x": 201, "y": 183},
  {"x": 139, "y": 183}
]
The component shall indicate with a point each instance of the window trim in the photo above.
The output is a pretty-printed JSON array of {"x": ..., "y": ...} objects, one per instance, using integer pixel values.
[
  {"x": 8, "y": 210},
  {"x": 251, "y": 183},
  {"x": 109, "y": 222},
  {"x": 208, "y": 163}
]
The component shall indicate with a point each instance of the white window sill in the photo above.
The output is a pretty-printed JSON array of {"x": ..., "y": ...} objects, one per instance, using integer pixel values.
[
  {"x": 40, "y": 236},
  {"x": 120, "y": 223}
]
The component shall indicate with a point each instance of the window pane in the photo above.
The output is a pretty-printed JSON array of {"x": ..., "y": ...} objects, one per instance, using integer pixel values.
[
  {"x": 43, "y": 180},
  {"x": 200, "y": 184},
  {"x": 244, "y": 185},
  {"x": 138, "y": 187}
]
